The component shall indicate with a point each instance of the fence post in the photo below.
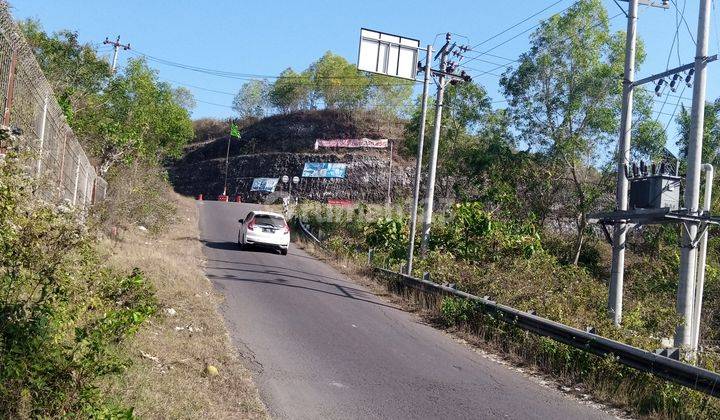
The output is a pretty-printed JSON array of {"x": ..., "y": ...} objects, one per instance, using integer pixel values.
[
  {"x": 10, "y": 88},
  {"x": 77, "y": 178},
  {"x": 94, "y": 190},
  {"x": 85, "y": 190},
  {"x": 42, "y": 135},
  {"x": 61, "y": 174}
]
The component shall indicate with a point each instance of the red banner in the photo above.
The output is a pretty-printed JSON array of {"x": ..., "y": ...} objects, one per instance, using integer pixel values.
[
  {"x": 352, "y": 143},
  {"x": 339, "y": 202}
]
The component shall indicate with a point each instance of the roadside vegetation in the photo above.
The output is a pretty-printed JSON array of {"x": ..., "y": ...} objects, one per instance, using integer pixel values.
[
  {"x": 63, "y": 311},
  {"x": 97, "y": 319}
]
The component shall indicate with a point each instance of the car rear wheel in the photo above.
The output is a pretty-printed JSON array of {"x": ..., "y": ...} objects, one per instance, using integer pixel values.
[{"x": 283, "y": 251}]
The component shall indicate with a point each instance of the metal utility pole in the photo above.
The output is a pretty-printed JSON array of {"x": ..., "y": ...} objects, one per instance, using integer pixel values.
[
  {"x": 418, "y": 163},
  {"x": 227, "y": 161},
  {"x": 688, "y": 255},
  {"x": 116, "y": 45},
  {"x": 623, "y": 158},
  {"x": 436, "y": 140}
]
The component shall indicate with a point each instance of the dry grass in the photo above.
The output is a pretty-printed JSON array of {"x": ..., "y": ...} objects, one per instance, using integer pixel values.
[{"x": 170, "y": 355}]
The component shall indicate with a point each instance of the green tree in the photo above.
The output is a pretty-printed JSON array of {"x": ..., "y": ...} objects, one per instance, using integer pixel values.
[
  {"x": 711, "y": 132},
  {"x": 338, "y": 83},
  {"x": 136, "y": 117},
  {"x": 74, "y": 70},
  {"x": 564, "y": 98},
  {"x": 389, "y": 96},
  {"x": 291, "y": 91},
  {"x": 252, "y": 99},
  {"x": 468, "y": 126}
]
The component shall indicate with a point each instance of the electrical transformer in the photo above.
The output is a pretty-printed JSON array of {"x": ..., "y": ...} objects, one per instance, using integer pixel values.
[{"x": 655, "y": 192}]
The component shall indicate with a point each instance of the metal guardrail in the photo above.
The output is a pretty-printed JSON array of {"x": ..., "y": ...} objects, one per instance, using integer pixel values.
[
  {"x": 672, "y": 370},
  {"x": 307, "y": 232}
]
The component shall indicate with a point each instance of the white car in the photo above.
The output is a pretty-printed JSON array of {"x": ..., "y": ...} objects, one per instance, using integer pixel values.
[{"x": 266, "y": 229}]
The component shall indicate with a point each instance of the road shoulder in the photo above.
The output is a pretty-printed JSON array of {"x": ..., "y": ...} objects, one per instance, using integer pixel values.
[{"x": 169, "y": 376}]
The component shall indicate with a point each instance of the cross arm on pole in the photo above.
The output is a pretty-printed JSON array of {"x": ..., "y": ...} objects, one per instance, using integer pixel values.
[{"x": 676, "y": 70}]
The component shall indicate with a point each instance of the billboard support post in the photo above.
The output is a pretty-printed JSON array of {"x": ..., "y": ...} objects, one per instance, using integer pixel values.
[{"x": 418, "y": 163}]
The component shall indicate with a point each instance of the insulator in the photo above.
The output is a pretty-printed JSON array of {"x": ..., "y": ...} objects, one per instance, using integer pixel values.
[
  {"x": 659, "y": 86},
  {"x": 689, "y": 77},
  {"x": 635, "y": 170},
  {"x": 653, "y": 169},
  {"x": 673, "y": 83}
]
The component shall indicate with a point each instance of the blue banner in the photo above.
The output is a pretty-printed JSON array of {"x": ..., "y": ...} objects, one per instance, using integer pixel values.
[
  {"x": 264, "y": 184},
  {"x": 324, "y": 170}
]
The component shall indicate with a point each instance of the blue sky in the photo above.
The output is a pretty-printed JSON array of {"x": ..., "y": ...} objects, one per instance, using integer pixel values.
[{"x": 265, "y": 37}]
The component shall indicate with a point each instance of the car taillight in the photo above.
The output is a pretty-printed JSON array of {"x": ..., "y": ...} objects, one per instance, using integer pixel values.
[
  {"x": 286, "y": 229},
  {"x": 251, "y": 225}
]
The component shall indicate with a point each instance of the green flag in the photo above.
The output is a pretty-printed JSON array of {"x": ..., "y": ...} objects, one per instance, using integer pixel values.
[{"x": 234, "y": 132}]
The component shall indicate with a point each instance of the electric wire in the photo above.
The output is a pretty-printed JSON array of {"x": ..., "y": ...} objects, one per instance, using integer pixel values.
[
  {"x": 515, "y": 25},
  {"x": 687, "y": 26},
  {"x": 518, "y": 60}
]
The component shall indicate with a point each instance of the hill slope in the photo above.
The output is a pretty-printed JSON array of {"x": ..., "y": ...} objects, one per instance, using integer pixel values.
[{"x": 281, "y": 145}]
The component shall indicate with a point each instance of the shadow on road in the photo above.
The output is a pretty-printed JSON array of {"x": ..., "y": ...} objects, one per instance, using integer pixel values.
[
  {"x": 233, "y": 246},
  {"x": 278, "y": 281}
]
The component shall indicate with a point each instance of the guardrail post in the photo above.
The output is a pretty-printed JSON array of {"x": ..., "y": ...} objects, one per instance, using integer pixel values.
[
  {"x": 42, "y": 135},
  {"x": 370, "y": 255},
  {"x": 10, "y": 88}
]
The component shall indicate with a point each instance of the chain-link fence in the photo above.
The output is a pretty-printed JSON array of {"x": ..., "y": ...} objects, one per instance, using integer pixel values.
[{"x": 30, "y": 108}]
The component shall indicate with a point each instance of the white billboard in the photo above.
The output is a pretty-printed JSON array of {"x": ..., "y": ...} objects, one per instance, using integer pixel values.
[{"x": 388, "y": 54}]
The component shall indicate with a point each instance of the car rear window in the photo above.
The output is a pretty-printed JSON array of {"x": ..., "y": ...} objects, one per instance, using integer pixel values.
[{"x": 274, "y": 221}]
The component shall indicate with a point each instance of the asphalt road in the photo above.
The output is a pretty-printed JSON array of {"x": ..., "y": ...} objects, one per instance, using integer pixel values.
[{"x": 322, "y": 347}]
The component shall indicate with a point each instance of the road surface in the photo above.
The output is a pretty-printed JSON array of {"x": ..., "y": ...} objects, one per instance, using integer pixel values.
[{"x": 322, "y": 347}]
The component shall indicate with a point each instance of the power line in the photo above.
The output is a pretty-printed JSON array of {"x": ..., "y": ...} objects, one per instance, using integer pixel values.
[
  {"x": 507, "y": 66},
  {"x": 255, "y": 76},
  {"x": 515, "y": 25},
  {"x": 682, "y": 16},
  {"x": 213, "y": 103}
]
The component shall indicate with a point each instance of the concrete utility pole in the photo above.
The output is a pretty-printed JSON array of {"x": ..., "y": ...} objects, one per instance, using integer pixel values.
[
  {"x": 116, "y": 45},
  {"x": 623, "y": 158},
  {"x": 436, "y": 140},
  {"x": 418, "y": 164},
  {"x": 688, "y": 255}
]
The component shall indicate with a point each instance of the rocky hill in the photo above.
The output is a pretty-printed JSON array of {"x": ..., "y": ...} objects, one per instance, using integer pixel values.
[{"x": 281, "y": 145}]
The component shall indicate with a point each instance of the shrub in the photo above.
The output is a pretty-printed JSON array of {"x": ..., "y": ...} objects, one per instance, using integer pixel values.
[
  {"x": 138, "y": 194},
  {"x": 61, "y": 313}
]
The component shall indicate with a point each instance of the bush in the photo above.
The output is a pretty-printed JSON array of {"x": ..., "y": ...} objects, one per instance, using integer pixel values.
[
  {"x": 138, "y": 194},
  {"x": 473, "y": 234},
  {"x": 61, "y": 313}
]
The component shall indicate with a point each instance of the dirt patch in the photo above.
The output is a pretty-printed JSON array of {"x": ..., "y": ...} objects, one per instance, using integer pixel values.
[{"x": 184, "y": 365}]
